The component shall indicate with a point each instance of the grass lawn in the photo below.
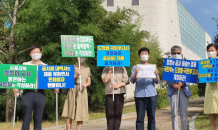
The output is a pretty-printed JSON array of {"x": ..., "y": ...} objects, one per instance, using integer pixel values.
[
  {"x": 194, "y": 96},
  {"x": 202, "y": 122}
]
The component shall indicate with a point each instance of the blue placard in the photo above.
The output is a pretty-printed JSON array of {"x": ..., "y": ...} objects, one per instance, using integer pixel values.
[
  {"x": 208, "y": 70},
  {"x": 180, "y": 70},
  {"x": 113, "y": 55},
  {"x": 55, "y": 76}
]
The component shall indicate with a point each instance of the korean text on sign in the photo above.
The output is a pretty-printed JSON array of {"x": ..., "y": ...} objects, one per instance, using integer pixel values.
[
  {"x": 208, "y": 70},
  {"x": 180, "y": 70},
  {"x": 18, "y": 76},
  {"x": 77, "y": 46},
  {"x": 56, "y": 76},
  {"x": 113, "y": 55}
]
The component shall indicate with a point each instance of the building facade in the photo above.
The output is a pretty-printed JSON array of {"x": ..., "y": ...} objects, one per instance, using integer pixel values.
[{"x": 170, "y": 22}]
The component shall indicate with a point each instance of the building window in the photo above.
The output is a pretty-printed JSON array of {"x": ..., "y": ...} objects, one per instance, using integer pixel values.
[
  {"x": 110, "y": 2},
  {"x": 135, "y": 2}
]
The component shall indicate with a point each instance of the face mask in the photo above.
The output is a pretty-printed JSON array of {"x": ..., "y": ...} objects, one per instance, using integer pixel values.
[
  {"x": 211, "y": 54},
  {"x": 176, "y": 56},
  {"x": 36, "y": 56},
  {"x": 82, "y": 59},
  {"x": 144, "y": 58}
]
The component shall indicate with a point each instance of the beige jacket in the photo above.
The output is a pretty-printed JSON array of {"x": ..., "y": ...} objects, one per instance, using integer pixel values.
[{"x": 120, "y": 75}]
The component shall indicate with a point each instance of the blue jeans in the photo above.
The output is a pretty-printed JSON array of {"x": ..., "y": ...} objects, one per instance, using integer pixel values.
[{"x": 142, "y": 105}]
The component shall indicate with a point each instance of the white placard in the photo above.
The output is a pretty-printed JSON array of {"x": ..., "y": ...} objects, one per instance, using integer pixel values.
[{"x": 146, "y": 71}]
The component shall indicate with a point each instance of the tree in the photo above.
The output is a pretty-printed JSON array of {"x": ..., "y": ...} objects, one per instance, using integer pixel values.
[
  {"x": 155, "y": 53},
  {"x": 79, "y": 18},
  {"x": 41, "y": 22},
  {"x": 8, "y": 49},
  {"x": 216, "y": 37}
]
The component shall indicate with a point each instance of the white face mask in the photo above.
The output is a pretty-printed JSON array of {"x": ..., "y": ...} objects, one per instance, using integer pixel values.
[
  {"x": 176, "y": 56},
  {"x": 144, "y": 58},
  {"x": 36, "y": 56},
  {"x": 211, "y": 54},
  {"x": 82, "y": 59}
]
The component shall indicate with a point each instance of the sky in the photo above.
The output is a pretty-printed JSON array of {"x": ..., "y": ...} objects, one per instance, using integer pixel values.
[{"x": 203, "y": 11}]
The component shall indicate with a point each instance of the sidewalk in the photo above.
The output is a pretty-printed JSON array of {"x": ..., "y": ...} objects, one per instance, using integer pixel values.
[{"x": 163, "y": 119}]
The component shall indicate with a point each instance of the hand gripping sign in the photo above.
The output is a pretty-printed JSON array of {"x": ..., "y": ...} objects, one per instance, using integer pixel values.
[
  {"x": 180, "y": 70},
  {"x": 77, "y": 46},
  {"x": 113, "y": 55}
]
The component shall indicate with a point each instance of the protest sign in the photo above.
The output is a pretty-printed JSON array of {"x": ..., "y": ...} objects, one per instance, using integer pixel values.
[
  {"x": 208, "y": 70},
  {"x": 77, "y": 46},
  {"x": 146, "y": 71},
  {"x": 180, "y": 70},
  {"x": 55, "y": 76},
  {"x": 113, "y": 55},
  {"x": 18, "y": 76}
]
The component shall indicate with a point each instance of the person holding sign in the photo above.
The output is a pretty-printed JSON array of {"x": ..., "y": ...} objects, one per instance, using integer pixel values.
[
  {"x": 211, "y": 93},
  {"x": 178, "y": 93},
  {"x": 114, "y": 108},
  {"x": 76, "y": 103},
  {"x": 33, "y": 100},
  {"x": 145, "y": 92}
]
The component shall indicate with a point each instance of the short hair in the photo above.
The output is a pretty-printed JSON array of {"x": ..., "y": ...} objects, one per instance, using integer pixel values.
[
  {"x": 143, "y": 49},
  {"x": 176, "y": 48},
  {"x": 211, "y": 45},
  {"x": 34, "y": 47}
]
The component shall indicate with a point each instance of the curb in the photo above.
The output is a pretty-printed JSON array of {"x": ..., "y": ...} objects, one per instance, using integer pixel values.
[
  {"x": 86, "y": 122},
  {"x": 192, "y": 122}
]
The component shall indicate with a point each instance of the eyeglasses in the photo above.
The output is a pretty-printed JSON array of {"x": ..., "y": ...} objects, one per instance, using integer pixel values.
[{"x": 176, "y": 53}]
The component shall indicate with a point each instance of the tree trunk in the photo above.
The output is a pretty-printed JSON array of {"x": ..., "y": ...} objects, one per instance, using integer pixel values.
[
  {"x": 10, "y": 99},
  {"x": 9, "y": 106}
]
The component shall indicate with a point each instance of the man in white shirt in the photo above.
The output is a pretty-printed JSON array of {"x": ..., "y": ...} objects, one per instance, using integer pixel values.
[{"x": 33, "y": 100}]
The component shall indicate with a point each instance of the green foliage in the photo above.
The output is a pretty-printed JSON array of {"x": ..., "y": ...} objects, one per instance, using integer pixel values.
[
  {"x": 41, "y": 22},
  {"x": 50, "y": 105},
  {"x": 19, "y": 111},
  {"x": 201, "y": 89},
  {"x": 155, "y": 53},
  {"x": 194, "y": 89},
  {"x": 216, "y": 37},
  {"x": 2, "y": 107},
  {"x": 202, "y": 122},
  {"x": 162, "y": 100}
]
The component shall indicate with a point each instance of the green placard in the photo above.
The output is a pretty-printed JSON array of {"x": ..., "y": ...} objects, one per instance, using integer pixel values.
[
  {"x": 14, "y": 76},
  {"x": 77, "y": 46}
]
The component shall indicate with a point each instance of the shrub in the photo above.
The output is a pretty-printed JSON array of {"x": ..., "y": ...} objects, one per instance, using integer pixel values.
[
  {"x": 19, "y": 111},
  {"x": 2, "y": 107},
  {"x": 194, "y": 89},
  {"x": 162, "y": 100},
  {"x": 201, "y": 89},
  {"x": 50, "y": 105}
]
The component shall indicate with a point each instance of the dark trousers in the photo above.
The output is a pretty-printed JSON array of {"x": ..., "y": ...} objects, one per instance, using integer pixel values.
[
  {"x": 33, "y": 101},
  {"x": 142, "y": 105},
  {"x": 114, "y": 110}
]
